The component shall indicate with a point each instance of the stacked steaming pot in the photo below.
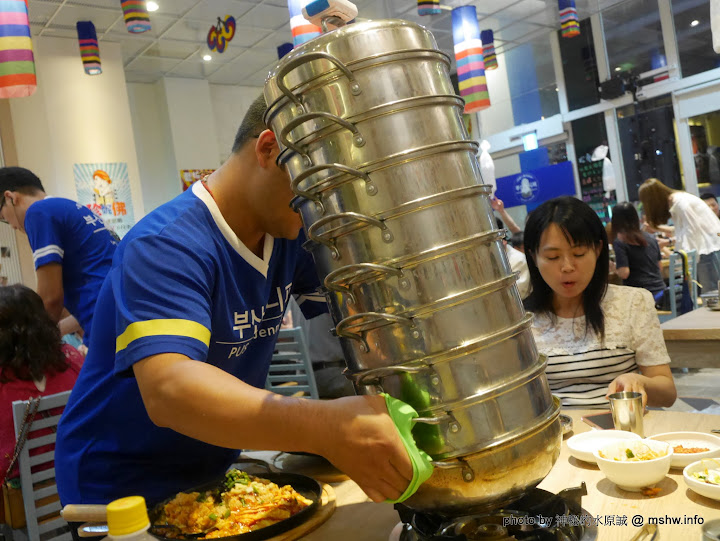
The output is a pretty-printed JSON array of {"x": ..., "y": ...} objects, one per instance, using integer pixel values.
[{"x": 415, "y": 271}]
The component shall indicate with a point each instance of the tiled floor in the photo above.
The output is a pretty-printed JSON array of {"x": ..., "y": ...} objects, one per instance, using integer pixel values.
[{"x": 698, "y": 390}]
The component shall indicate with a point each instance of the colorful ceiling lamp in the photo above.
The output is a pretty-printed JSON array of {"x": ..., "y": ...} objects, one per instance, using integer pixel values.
[
  {"x": 221, "y": 33},
  {"x": 17, "y": 63},
  {"x": 302, "y": 30},
  {"x": 283, "y": 49},
  {"x": 429, "y": 7},
  {"x": 488, "y": 46},
  {"x": 136, "y": 16},
  {"x": 89, "y": 49},
  {"x": 469, "y": 59},
  {"x": 569, "y": 22}
]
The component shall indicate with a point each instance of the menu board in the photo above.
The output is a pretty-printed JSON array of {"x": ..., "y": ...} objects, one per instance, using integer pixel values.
[{"x": 591, "y": 187}]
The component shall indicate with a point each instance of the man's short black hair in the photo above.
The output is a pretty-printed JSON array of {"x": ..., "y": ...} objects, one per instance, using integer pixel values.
[
  {"x": 19, "y": 179},
  {"x": 252, "y": 124},
  {"x": 708, "y": 195}
]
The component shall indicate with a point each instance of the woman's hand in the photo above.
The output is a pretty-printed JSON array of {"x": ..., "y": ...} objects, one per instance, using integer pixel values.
[{"x": 632, "y": 383}]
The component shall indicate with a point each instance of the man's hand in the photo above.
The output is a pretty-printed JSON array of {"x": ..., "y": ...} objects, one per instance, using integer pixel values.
[{"x": 362, "y": 441}]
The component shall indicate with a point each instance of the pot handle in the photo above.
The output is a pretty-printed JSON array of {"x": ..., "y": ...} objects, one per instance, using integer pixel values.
[
  {"x": 468, "y": 474},
  {"x": 351, "y": 216},
  {"x": 341, "y": 327},
  {"x": 374, "y": 375},
  {"x": 333, "y": 280},
  {"x": 358, "y": 139},
  {"x": 322, "y": 167},
  {"x": 309, "y": 57}
]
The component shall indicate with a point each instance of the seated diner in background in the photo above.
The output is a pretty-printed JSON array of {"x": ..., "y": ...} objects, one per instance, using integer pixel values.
[
  {"x": 599, "y": 338},
  {"x": 696, "y": 226},
  {"x": 637, "y": 254}
]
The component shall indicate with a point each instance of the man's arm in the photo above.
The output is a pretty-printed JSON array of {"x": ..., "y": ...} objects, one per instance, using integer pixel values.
[
  {"x": 69, "y": 325},
  {"x": 203, "y": 402},
  {"x": 50, "y": 289}
]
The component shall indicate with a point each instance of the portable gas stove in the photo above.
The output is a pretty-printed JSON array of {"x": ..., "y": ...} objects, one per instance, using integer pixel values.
[{"x": 539, "y": 516}]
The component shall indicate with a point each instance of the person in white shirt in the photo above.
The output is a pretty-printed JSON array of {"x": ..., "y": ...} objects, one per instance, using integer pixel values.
[
  {"x": 696, "y": 226},
  {"x": 599, "y": 338}
]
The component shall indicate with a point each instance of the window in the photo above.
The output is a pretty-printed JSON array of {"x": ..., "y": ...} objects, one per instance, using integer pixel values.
[
  {"x": 633, "y": 37},
  {"x": 694, "y": 38},
  {"x": 705, "y": 133}
]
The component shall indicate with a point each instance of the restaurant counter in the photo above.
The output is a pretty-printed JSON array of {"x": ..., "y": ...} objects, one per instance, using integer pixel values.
[{"x": 358, "y": 519}]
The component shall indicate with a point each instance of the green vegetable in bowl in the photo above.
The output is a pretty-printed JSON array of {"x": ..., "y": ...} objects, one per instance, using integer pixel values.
[{"x": 629, "y": 453}]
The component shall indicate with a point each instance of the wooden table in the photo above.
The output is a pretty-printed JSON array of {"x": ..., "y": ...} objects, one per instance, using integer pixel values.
[
  {"x": 358, "y": 519},
  {"x": 693, "y": 339}
]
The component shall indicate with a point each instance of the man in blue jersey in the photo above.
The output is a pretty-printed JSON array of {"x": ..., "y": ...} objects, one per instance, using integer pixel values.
[
  {"x": 72, "y": 249},
  {"x": 173, "y": 383}
]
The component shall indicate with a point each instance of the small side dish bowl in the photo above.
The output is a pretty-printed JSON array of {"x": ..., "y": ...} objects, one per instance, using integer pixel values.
[
  {"x": 689, "y": 441},
  {"x": 582, "y": 446},
  {"x": 636, "y": 464},
  {"x": 694, "y": 473}
]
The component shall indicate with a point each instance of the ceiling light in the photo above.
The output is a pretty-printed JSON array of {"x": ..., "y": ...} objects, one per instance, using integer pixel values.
[
  {"x": 695, "y": 23},
  {"x": 207, "y": 58},
  {"x": 618, "y": 68},
  {"x": 152, "y": 6}
]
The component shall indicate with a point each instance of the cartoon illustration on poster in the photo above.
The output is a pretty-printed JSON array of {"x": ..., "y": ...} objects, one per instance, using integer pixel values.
[
  {"x": 105, "y": 189},
  {"x": 190, "y": 176}
]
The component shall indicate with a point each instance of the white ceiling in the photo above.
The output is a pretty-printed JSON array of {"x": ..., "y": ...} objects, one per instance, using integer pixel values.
[{"x": 176, "y": 44}]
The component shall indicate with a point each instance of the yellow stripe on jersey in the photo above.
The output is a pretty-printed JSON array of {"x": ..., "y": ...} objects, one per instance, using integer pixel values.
[{"x": 162, "y": 327}]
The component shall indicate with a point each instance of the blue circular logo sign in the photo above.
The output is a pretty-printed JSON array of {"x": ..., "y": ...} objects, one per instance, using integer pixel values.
[{"x": 526, "y": 187}]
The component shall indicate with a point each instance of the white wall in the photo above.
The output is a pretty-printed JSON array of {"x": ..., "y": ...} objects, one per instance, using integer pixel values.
[
  {"x": 230, "y": 104},
  {"x": 75, "y": 118},
  {"x": 499, "y": 116},
  {"x": 159, "y": 177}
]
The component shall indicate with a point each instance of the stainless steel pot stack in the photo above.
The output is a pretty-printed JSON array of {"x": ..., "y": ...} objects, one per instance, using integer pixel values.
[{"x": 415, "y": 271}]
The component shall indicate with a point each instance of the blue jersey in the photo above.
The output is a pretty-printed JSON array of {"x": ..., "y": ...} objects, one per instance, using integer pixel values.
[
  {"x": 65, "y": 232},
  {"x": 181, "y": 282}
]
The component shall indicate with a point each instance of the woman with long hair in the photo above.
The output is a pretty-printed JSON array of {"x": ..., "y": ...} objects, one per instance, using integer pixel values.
[
  {"x": 597, "y": 336},
  {"x": 33, "y": 360},
  {"x": 637, "y": 254},
  {"x": 696, "y": 226}
]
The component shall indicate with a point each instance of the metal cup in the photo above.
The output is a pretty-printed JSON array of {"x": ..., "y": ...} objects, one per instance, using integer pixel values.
[
  {"x": 627, "y": 412},
  {"x": 711, "y": 530}
]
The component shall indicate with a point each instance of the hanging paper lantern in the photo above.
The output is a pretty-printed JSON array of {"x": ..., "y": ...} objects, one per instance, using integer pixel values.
[
  {"x": 221, "y": 33},
  {"x": 429, "y": 7},
  {"x": 569, "y": 21},
  {"x": 488, "y": 46},
  {"x": 17, "y": 63},
  {"x": 284, "y": 49},
  {"x": 136, "y": 16},
  {"x": 302, "y": 30},
  {"x": 89, "y": 50},
  {"x": 469, "y": 59}
]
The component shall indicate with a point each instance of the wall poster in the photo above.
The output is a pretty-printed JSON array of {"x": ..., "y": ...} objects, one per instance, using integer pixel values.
[
  {"x": 190, "y": 176},
  {"x": 104, "y": 188}
]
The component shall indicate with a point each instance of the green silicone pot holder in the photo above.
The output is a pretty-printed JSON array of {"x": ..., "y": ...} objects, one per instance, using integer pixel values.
[{"x": 402, "y": 415}]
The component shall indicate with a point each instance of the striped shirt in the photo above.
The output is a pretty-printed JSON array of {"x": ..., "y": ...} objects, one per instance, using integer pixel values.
[{"x": 581, "y": 366}]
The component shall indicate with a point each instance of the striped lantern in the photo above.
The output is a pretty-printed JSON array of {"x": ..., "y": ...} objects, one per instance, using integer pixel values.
[
  {"x": 429, "y": 7},
  {"x": 89, "y": 49},
  {"x": 136, "y": 16},
  {"x": 469, "y": 59},
  {"x": 302, "y": 30},
  {"x": 17, "y": 63},
  {"x": 569, "y": 22},
  {"x": 488, "y": 46}
]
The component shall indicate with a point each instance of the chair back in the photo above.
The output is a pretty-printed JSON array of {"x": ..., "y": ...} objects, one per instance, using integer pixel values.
[
  {"x": 291, "y": 372},
  {"x": 37, "y": 470},
  {"x": 675, "y": 280}
]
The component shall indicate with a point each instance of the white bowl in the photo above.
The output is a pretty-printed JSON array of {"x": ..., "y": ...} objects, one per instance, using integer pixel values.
[
  {"x": 582, "y": 445},
  {"x": 687, "y": 440},
  {"x": 634, "y": 476},
  {"x": 702, "y": 488}
]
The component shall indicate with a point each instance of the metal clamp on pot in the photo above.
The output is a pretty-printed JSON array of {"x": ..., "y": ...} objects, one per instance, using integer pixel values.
[
  {"x": 358, "y": 139},
  {"x": 376, "y": 317},
  {"x": 371, "y": 189},
  {"x": 309, "y": 57},
  {"x": 339, "y": 280},
  {"x": 322, "y": 238}
]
